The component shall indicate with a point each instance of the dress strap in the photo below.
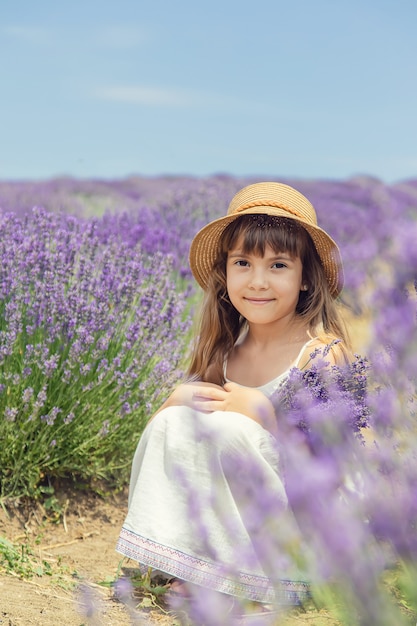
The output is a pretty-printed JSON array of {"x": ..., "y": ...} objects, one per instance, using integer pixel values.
[{"x": 300, "y": 354}]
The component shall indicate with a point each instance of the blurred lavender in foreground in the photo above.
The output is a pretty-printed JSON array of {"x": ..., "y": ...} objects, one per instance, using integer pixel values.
[
  {"x": 352, "y": 488},
  {"x": 124, "y": 593},
  {"x": 89, "y": 605}
]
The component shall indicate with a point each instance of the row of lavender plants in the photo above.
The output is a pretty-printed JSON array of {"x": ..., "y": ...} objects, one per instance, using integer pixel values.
[
  {"x": 91, "y": 337},
  {"x": 92, "y": 321}
]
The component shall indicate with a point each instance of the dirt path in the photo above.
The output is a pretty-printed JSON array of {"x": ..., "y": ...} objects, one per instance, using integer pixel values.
[
  {"x": 79, "y": 554},
  {"x": 76, "y": 555}
]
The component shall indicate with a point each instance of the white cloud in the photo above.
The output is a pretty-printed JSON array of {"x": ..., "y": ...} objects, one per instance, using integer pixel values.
[
  {"x": 145, "y": 95},
  {"x": 120, "y": 36},
  {"x": 114, "y": 36},
  {"x": 148, "y": 96},
  {"x": 29, "y": 34}
]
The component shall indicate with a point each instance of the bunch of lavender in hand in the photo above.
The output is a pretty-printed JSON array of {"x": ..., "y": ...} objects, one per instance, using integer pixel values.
[{"x": 321, "y": 399}]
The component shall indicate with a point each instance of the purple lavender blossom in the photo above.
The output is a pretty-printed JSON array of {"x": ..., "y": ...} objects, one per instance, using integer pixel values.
[{"x": 311, "y": 395}]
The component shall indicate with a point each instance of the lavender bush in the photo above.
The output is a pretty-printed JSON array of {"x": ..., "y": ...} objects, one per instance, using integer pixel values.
[{"x": 85, "y": 334}]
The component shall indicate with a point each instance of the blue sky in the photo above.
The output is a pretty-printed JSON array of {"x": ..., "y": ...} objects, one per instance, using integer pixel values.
[{"x": 302, "y": 88}]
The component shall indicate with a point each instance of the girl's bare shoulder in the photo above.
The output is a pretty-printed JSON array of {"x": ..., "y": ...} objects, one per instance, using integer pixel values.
[{"x": 326, "y": 350}]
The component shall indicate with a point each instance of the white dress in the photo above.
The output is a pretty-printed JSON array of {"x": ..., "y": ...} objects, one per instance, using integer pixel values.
[{"x": 207, "y": 504}]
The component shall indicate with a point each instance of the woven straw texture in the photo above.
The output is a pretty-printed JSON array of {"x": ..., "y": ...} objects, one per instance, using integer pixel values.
[{"x": 268, "y": 198}]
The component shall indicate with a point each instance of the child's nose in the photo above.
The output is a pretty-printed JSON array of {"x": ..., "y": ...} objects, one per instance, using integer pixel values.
[{"x": 258, "y": 280}]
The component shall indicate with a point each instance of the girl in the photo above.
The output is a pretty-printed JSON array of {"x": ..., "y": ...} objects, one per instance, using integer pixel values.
[{"x": 207, "y": 501}]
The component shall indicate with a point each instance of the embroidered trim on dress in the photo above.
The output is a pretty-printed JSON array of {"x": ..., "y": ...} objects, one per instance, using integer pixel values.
[{"x": 192, "y": 569}]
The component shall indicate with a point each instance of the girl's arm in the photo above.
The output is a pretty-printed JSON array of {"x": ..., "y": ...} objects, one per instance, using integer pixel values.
[
  {"x": 250, "y": 402},
  {"x": 192, "y": 394},
  {"x": 208, "y": 397}
]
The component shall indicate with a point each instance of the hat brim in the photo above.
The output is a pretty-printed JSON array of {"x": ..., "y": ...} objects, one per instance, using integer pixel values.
[{"x": 205, "y": 245}]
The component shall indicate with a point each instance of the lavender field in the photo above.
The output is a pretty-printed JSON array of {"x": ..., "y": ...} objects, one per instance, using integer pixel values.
[{"x": 97, "y": 306}]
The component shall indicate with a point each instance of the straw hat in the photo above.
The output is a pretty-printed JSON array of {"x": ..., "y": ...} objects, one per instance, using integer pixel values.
[{"x": 270, "y": 199}]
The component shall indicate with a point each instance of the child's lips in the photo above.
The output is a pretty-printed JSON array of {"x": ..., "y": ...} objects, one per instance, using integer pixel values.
[{"x": 259, "y": 301}]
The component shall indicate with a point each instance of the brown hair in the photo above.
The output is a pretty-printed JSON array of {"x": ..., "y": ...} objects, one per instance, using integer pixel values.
[{"x": 221, "y": 324}]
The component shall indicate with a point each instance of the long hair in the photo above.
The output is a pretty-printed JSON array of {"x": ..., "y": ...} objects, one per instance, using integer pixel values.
[{"x": 221, "y": 324}]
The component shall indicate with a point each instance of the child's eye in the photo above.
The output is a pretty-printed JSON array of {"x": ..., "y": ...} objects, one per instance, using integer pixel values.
[
  {"x": 279, "y": 265},
  {"x": 242, "y": 263}
]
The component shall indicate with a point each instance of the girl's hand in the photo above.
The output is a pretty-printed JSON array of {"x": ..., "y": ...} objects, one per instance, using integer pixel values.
[
  {"x": 195, "y": 395},
  {"x": 208, "y": 397},
  {"x": 253, "y": 403},
  {"x": 250, "y": 402}
]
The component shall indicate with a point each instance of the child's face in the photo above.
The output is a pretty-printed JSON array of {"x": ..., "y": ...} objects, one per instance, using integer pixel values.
[{"x": 264, "y": 289}]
